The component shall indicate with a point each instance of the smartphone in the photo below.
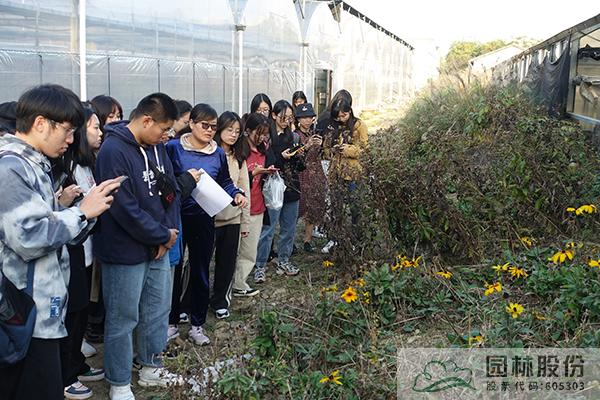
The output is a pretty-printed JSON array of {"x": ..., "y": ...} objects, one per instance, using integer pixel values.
[
  {"x": 121, "y": 180},
  {"x": 296, "y": 148}
]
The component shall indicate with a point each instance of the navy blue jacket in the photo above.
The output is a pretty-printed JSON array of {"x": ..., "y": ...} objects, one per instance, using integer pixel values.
[
  {"x": 214, "y": 164},
  {"x": 137, "y": 223}
]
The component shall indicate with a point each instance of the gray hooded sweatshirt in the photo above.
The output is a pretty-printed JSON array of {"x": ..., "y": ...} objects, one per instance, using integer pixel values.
[{"x": 33, "y": 227}]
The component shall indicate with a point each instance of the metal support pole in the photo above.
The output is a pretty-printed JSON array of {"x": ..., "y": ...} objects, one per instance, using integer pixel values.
[
  {"x": 305, "y": 67},
  {"x": 82, "y": 51},
  {"x": 240, "y": 36}
]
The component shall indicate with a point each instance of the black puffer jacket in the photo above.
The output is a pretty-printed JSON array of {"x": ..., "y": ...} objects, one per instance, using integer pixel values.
[{"x": 289, "y": 169}]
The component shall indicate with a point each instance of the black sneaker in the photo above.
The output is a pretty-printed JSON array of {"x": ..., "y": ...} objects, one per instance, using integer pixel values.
[
  {"x": 245, "y": 293},
  {"x": 308, "y": 247}
]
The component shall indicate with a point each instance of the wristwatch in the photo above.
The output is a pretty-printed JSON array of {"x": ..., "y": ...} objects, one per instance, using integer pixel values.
[{"x": 82, "y": 217}]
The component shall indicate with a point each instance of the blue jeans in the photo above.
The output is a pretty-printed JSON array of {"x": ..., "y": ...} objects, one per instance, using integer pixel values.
[
  {"x": 287, "y": 217},
  {"x": 136, "y": 297}
]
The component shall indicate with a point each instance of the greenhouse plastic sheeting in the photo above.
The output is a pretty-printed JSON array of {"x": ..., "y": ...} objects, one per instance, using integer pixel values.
[
  {"x": 189, "y": 50},
  {"x": 547, "y": 79},
  {"x": 177, "y": 79},
  {"x": 18, "y": 71}
]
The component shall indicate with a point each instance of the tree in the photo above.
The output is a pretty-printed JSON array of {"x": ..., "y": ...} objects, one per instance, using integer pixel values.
[{"x": 461, "y": 52}]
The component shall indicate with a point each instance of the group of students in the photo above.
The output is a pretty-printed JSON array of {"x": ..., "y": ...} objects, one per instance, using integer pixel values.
[{"x": 101, "y": 208}]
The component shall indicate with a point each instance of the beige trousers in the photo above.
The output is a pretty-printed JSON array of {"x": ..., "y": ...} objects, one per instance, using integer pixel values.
[{"x": 247, "y": 253}]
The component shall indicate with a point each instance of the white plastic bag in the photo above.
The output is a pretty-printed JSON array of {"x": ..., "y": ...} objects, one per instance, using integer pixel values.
[{"x": 273, "y": 190}]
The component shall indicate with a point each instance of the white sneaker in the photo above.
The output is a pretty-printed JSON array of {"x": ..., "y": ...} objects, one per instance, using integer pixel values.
[
  {"x": 222, "y": 313},
  {"x": 151, "y": 376},
  {"x": 78, "y": 391},
  {"x": 197, "y": 336},
  {"x": 317, "y": 234},
  {"x": 87, "y": 349},
  {"x": 286, "y": 268},
  {"x": 121, "y": 393},
  {"x": 327, "y": 248},
  {"x": 172, "y": 332}
]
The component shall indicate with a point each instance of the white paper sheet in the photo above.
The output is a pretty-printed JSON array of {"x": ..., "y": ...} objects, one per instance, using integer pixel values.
[{"x": 210, "y": 195}]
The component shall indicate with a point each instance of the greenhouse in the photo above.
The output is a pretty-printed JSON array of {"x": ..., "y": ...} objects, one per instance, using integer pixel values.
[{"x": 220, "y": 52}]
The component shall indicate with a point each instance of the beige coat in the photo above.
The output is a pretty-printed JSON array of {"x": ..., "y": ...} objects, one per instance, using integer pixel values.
[{"x": 231, "y": 214}]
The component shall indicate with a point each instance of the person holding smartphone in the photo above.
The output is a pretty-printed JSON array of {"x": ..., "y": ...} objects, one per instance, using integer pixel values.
[
  {"x": 256, "y": 135},
  {"x": 313, "y": 183},
  {"x": 285, "y": 155}
]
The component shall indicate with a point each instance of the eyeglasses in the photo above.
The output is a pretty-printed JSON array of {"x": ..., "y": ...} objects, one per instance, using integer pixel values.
[
  {"x": 263, "y": 110},
  {"x": 206, "y": 126},
  {"x": 289, "y": 118},
  {"x": 169, "y": 131},
  {"x": 68, "y": 131}
]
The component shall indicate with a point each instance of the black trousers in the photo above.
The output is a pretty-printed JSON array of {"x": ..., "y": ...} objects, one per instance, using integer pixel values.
[
  {"x": 227, "y": 239},
  {"x": 199, "y": 238},
  {"x": 176, "y": 296},
  {"x": 37, "y": 376},
  {"x": 72, "y": 360}
]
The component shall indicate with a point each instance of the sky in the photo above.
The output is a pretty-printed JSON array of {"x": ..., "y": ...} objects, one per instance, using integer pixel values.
[{"x": 432, "y": 25}]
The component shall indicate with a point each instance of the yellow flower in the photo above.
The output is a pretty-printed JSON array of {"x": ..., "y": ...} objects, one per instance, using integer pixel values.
[
  {"x": 475, "y": 340},
  {"x": 490, "y": 288},
  {"x": 594, "y": 263},
  {"x": 349, "y": 295},
  {"x": 360, "y": 282},
  {"x": 518, "y": 272},
  {"x": 573, "y": 245},
  {"x": 514, "y": 309},
  {"x": 527, "y": 241},
  {"x": 539, "y": 316},
  {"x": 499, "y": 268},
  {"x": 332, "y": 288},
  {"x": 587, "y": 209},
  {"x": 406, "y": 263},
  {"x": 571, "y": 209},
  {"x": 366, "y": 297},
  {"x": 561, "y": 256},
  {"x": 327, "y": 264},
  {"x": 396, "y": 266},
  {"x": 444, "y": 274},
  {"x": 334, "y": 377}
]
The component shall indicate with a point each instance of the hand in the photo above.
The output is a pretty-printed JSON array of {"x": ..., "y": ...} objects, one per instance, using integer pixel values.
[
  {"x": 339, "y": 148},
  {"x": 259, "y": 169},
  {"x": 240, "y": 200},
  {"x": 316, "y": 140},
  {"x": 162, "y": 250},
  {"x": 68, "y": 194},
  {"x": 99, "y": 198},
  {"x": 172, "y": 239},
  {"x": 286, "y": 154},
  {"x": 195, "y": 173},
  {"x": 245, "y": 234}
]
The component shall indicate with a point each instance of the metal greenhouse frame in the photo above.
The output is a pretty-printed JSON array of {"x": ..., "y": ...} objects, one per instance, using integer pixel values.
[{"x": 217, "y": 51}]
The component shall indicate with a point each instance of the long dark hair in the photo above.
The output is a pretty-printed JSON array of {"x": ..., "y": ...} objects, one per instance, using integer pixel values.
[
  {"x": 241, "y": 148},
  {"x": 80, "y": 152},
  {"x": 258, "y": 122},
  {"x": 342, "y": 105},
  {"x": 104, "y": 106},
  {"x": 298, "y": 95},
  {"x": 280, "y": 107},
  {"x": 341, "y": 94},
  {"x": 259, "y": 98}
]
